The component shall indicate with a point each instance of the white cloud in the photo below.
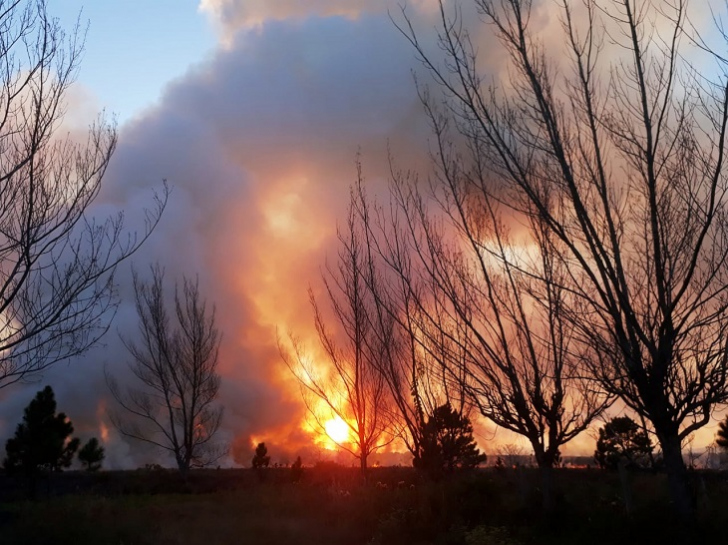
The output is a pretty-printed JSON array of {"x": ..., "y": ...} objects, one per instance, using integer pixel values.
[{"x": 233, "y": 15}]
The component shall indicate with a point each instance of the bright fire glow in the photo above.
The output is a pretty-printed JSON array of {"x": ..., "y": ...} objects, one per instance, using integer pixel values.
[{"x": 337, "y": 430}]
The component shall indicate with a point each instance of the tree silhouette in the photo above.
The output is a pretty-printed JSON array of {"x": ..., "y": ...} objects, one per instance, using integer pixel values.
[
  {"x": 261, "y": 458},
  {"x": 721, "y": 438},
  {"x": 58, "y": 257},
  {"x": 618, "y": 148},
  {"x": 91, "y": 455},
  {"x": 619, "y": 438},
  {"x": 348, "y": 383},
  {"x": 174, "y": 362},
  {"x": 448, "y": 443},
  {"x": 418, "y": 348},
  {"x": 297, "y": 470},
  {"x": 41, "y": 441}
]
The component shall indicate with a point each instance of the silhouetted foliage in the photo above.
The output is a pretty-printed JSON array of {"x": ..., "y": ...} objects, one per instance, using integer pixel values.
[
  {"x": 91, "y": 455},
  {"x": 721, "y": 437},
  {"x": 41, "y": 440},
  {"x": 448, "y": 443},
  {"x": 622, "y": 437},
  {"x": 261, "y": 458},
  {"x": 297, "y": 470}
]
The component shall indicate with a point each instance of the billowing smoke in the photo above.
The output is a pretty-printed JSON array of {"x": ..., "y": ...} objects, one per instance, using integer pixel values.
[{"x": 258, "y": 144}]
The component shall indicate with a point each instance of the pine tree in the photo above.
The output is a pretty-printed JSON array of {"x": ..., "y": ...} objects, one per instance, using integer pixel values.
[
  {"x": 721, "y": 437},
  {"x": 448, "y": 443},
  {"x": 297, "y": 470},
  {"x": 621, "y": 437},
  {"x": 91, "y": 455},
  {"x": 41, "y": 440},
  {"x": 261, "y": 458}
]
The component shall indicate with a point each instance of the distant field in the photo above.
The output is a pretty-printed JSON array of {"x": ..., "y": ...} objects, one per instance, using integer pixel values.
[{"x": 332, "y": 506}]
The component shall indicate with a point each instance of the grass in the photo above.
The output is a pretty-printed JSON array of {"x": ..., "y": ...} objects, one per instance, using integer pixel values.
[{"x": 332, "y": 506}]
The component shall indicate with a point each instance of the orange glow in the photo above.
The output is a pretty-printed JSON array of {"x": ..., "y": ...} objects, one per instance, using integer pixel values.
[
  {"x": 104, "y": 432},
  {"x": 103, "y": 428},
  {"x": 337, "y": 430}
]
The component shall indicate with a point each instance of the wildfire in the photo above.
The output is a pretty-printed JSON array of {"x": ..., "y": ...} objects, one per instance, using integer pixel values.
[{"x": 337, "y": 430}]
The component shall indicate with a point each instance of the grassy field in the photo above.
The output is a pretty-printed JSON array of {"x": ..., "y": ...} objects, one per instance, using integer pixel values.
[{"x": 332, "y": 506}]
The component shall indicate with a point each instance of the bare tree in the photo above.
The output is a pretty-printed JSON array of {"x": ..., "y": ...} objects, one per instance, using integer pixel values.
[
  {"x": 349, "y": 386},
  {"x": 492, "y": 315},
  {"x": 513, "y": 454},
  {"x": 412, "y": 364},
  {"x": 56, "y": 260},
  {"x": 624, "y": 163},
  {"x": 175, "y": 363}
]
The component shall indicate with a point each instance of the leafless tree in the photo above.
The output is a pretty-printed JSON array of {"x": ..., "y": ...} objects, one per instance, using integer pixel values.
[
  {"x": 56, "y": 260},
  {"x": 494, "y": 312},
  {"x": 413, "y": 364},
  {"x": 349, "y": 385},
  {"x": 513, "y": 454},
  {"x": 175, "y": 361},
  {"x": 623, "y": 161}
]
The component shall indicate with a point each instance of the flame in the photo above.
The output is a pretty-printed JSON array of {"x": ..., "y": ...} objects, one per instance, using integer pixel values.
[{"x": 337, "y": 430}]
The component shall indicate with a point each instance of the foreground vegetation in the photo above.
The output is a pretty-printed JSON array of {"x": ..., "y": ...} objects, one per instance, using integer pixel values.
[{"x": 331, "y": 505}]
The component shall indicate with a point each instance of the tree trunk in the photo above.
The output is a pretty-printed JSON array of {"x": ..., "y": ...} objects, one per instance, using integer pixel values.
[
  {"x": 363, "y": 465},
  {"x": 624, "y": 480},
  {"x": 547, "y": 487},
  {"x": 677, "y": 476},
  {"x": 545, "y": 461},
  {"x": 523, "y": 491},
  {"x": 184, "y": 468}
]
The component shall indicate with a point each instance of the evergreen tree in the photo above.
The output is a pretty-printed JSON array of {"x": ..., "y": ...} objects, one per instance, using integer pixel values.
[
  {"x": 41, "y": 440},
  {"x": 297, "y": 470},
  {"x": 621, "y": 437},
  {"x": 261, "y": 458},
  {"x": 721, "y": 437},
  {"x": 91, "y": 455},
  {"x": 448, "y": 443}
]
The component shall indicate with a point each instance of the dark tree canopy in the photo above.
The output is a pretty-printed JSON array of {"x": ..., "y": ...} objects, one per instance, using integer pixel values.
[
  {"x": 622, "y": 438},
  {"x": 448, "y": 443},
  {"x": 91, "y": 455},
  {"x": 721, "y": 437},
  {"x": 297, "y": 470},
  {"x": 261, "y": 458},
  {"x": 41, "y": 440}
]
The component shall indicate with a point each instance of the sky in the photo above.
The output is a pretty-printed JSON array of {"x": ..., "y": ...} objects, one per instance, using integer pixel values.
[
  {"x": 135, "y": 48},
  {"x": 254, "y": 112}
]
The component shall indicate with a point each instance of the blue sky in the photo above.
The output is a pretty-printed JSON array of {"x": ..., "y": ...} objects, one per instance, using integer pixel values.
[{"x": 135, "y": 47}]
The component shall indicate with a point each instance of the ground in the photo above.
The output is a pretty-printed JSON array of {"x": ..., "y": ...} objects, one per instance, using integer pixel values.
[{"x": 332, "y": 505}]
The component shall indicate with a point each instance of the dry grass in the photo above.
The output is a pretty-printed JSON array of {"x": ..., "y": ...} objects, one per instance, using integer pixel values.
[{"x": 332, "y": 506}]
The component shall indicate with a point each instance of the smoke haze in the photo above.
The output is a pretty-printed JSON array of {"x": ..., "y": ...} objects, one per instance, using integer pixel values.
[{"x": 258, "y": 144}]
